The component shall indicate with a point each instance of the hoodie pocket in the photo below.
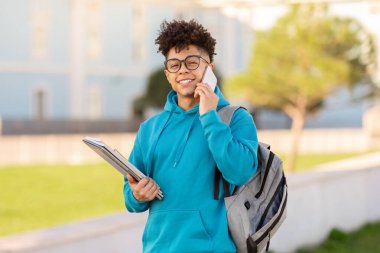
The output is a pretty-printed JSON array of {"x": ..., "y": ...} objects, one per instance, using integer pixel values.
[{"x": 176, "y": 231}]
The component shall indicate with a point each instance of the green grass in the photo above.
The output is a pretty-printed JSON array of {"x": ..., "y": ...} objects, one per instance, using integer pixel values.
[
  {"x": 307, "y": 161},
  {"x": 39, "y": 196},
  {"x": 362, "y": 241}
]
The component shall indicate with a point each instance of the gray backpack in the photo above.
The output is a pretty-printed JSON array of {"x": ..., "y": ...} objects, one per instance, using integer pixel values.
[{"x": 256, "y": 209}]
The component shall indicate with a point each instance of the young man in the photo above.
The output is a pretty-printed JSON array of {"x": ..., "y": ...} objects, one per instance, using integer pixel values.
[{"x": 179, "y": 149}]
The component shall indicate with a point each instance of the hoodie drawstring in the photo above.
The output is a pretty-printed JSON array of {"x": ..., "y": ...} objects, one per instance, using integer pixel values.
[
  {"x": 156, "y": 138},
  {"x": 182, "y": 146}
]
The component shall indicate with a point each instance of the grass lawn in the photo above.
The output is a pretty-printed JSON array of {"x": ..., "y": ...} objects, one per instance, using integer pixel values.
[
  {"x": 37, "y": 196},
  {"x": 362, "y": 241},
  {"x": 306, "y": 161}
]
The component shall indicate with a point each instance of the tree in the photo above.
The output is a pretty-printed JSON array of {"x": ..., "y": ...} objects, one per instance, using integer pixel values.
[
  {"x": 155, "y": 94},
  {"x": 301, "y": 60}
]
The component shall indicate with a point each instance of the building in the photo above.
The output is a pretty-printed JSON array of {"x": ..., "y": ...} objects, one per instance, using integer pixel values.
[
  {"x": 82, "y": 61},
  {"x": 88, "y": 59}
]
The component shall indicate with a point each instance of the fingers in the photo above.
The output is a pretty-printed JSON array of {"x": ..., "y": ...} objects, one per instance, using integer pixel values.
[
  {"x": 205, "y": 87},
  {"x": 196, "y": 94},
  {"x": 145, "y": 186},
  {"x": 208, "y": 99},
  {"x": 202, "y": 90},
  {"x": 145, "y": 190},
  {"x": 152, "y": 193}
]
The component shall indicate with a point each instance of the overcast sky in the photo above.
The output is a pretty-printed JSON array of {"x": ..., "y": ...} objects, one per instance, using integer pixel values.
[{"x": 368, "y": 14}]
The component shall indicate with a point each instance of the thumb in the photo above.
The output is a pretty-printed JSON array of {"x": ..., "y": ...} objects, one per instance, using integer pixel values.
[
  {"x": 196, "y": 94},
  {"x": 131, "y": 179}
]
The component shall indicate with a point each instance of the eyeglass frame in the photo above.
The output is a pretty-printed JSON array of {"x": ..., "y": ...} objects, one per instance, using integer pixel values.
[{"x": 184, "y": 62}]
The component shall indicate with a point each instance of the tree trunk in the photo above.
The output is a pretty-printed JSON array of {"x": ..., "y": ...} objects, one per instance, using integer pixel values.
[{"x": 298, "y": 121}]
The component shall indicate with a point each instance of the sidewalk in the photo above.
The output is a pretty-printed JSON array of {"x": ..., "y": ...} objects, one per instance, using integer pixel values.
[{"x": 93, "y": 236}]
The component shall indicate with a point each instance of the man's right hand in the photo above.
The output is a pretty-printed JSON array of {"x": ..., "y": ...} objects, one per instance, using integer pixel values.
[{"x": 145, "y": 190}]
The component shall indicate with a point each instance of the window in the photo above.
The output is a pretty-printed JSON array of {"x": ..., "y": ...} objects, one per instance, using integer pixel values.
[
  {"x": 138, "y": 35},
  {"x": 40, "y": 20},
  {"x": 94, "y": 28},
  {"x": 40, "y": 99},
  {"x": 95, "y": 103}
]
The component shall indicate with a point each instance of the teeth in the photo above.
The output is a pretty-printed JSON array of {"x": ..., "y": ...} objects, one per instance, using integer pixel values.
[{"x": 185, "y": 81}]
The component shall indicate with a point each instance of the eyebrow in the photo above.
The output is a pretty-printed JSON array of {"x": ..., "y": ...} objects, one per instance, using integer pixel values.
[{"x": 185, "y": 57}]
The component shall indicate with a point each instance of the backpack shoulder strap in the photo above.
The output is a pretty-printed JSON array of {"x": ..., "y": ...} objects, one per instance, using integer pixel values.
[{"x": 226, "y": 113}]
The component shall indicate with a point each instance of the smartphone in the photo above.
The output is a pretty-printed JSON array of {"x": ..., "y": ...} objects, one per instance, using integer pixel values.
[{"x": 209, "y": 78}]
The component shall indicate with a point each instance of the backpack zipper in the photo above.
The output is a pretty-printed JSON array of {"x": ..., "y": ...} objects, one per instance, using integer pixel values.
[
  {"x": 260, "y": 225},
  {"x": 269, "y": 163},
  {"x": 265, "y": 234}
]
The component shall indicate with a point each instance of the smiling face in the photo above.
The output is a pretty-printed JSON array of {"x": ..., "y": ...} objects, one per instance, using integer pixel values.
[{"x": 184, "y": 81}]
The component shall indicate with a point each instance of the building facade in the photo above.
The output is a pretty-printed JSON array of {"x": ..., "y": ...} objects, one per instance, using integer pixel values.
[{"x": 89, "y": 59}]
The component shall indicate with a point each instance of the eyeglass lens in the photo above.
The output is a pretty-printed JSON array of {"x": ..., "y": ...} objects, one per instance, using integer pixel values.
[{"x": 191, "y": 63}]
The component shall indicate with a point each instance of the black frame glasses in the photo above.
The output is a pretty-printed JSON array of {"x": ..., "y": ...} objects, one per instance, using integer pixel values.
[{"x": 191, "y": 62}]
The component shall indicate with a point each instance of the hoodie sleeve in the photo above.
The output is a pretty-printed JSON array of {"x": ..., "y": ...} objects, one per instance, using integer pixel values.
[
  {"x": 233, "y": 147},
  {"x": 136, "y": 158}
]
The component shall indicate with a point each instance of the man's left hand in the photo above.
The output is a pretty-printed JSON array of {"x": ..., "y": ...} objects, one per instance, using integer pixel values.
[{"x": 208, "y": 99}]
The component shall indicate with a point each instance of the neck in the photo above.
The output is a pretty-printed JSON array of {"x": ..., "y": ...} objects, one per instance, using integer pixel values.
[{"x": 187, "y": 103}]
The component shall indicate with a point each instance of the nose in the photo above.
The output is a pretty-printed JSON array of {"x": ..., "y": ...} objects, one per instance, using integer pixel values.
[{"x": 184, "y": 69}]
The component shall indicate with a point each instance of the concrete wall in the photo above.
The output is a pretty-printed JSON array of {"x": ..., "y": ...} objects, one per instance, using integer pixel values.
[
  {"x": 29, "y": 149},
  {"x": 342, "y": 194},
  {"x": 26, "y": 149},
  {"x": 319, "y": 140}
]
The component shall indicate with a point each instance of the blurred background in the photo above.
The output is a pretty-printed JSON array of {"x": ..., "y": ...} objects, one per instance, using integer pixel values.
[{"x": 307, "y": 70}]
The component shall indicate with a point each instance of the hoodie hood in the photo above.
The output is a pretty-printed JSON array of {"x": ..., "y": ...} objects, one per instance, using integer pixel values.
[{"x": 171, "y": 106}]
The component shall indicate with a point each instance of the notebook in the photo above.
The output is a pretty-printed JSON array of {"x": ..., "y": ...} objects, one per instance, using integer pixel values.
[{"x": 113, "y": 157}]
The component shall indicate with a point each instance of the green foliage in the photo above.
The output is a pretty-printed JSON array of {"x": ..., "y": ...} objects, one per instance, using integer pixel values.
[
  {"x": 158, "y": 89},
  {"x": 156, "y": 92},
  {"x": 364, "y": 240},
  {"x": 338, "y": 235},
  {"x": 303, "y": 58}
]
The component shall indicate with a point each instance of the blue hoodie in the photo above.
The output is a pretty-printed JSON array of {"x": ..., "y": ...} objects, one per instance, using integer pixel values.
[{"x": 180, "y": 150}]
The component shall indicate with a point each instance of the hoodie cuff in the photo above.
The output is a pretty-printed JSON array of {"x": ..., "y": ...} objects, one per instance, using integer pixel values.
[
  {"x": 135, "y": 205},
  {"x": 209, "y": 118},
  {"x": 136, "y": 201},
  {"x": 131, "y": 202}
]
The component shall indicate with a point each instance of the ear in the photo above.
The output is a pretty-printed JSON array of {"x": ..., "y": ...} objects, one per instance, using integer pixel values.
[
  {"x": 212, "y": 66},
  {"x": 167, "y": 73}
]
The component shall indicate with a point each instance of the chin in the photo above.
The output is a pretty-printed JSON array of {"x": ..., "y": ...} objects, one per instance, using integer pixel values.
[{"x": 186, "y": 92}]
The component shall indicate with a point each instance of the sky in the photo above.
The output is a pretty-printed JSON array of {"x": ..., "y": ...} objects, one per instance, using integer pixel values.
[{"x": 264, "y": 16}]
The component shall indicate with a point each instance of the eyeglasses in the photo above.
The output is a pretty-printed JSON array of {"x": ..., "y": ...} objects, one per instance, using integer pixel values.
[{"x": 191, "y": 63}]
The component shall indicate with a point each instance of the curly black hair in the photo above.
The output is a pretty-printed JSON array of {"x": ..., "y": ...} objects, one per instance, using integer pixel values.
[{"x": 180, "y": 34}]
